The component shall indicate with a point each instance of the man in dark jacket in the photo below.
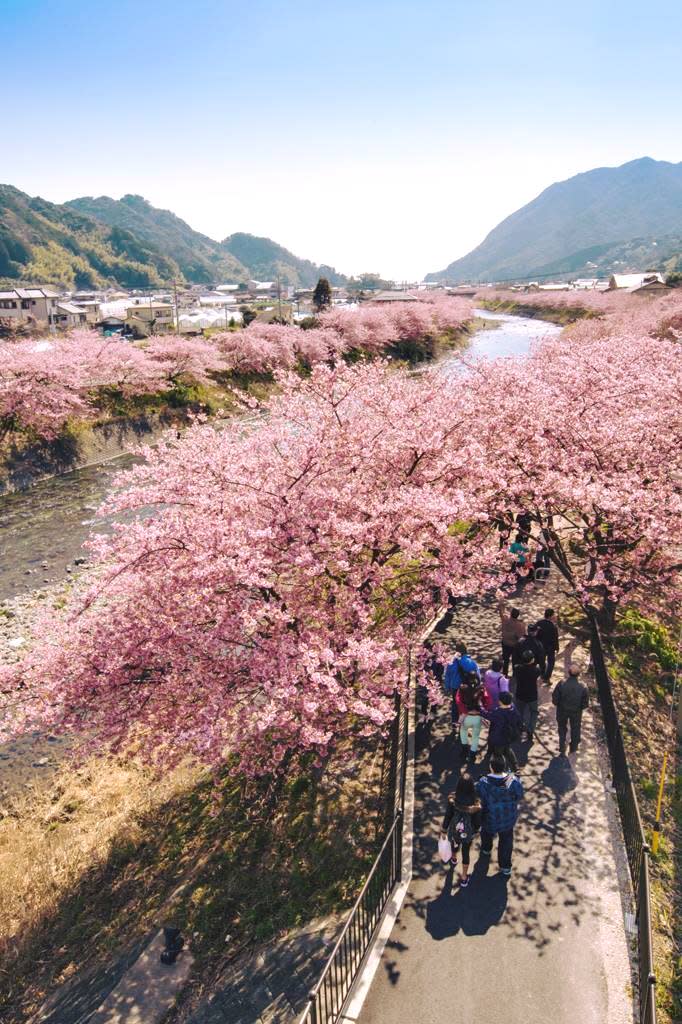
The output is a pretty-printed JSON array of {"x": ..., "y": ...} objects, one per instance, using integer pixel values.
[
  {"x": 570, "y": 699},
  {"x": 526, "y": 696},
  {"x": 532, "y": 643},
  {"x": 499, "y": 793},
  {"x": 505, "y": 729},
  {"x": 548, "y": 635}
]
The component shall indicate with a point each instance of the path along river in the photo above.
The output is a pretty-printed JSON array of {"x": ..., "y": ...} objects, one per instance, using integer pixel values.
[{"x": 42, "y": 530}]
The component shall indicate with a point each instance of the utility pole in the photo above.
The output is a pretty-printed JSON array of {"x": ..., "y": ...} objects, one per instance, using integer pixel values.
[{"x": 279, "y": 298}]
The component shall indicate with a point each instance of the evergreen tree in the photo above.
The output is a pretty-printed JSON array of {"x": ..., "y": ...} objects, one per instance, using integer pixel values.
[{"x": 322, "y": 296}]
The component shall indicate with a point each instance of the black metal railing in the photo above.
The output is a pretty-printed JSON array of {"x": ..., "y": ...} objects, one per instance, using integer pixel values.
[
  {"x": 633, "y": 832},
  {"x": 341, "y": 969}
]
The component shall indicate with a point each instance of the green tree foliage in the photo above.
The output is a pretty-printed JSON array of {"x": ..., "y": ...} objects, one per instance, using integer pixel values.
[{"x": 322, "y": 296}]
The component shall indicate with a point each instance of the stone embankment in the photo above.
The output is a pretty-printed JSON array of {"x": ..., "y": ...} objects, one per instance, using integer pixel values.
[
  {"x": 90, "y": 445},
  {"x": 37, "y": 756}
]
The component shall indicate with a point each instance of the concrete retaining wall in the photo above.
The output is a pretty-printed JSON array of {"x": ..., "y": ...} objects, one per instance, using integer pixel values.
[{"x": 91, "y": 445}]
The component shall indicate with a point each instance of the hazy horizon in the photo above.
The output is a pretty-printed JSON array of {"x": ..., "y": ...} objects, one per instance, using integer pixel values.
[{"x": 378, "y": 140}]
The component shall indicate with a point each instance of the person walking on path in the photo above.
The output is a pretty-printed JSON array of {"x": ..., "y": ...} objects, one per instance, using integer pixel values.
[
  {"x": 461, "y": 667},
  {"x": 548, "y": 635},
  {"x": 570, "y": 698},
  {"x": 471, "y": 699},
  {"x": 499, "y": 793},
  {"x": 527, "y": 675},
  {"x": 505, "y": 729},
  {"x": 461, "y": 823},
  {"x": 495, "y": 682},
  {"x": 512, "y": 629},
  {"x": 532, "y": 643}
]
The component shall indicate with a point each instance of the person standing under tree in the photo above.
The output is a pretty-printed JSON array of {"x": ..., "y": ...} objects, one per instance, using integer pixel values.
[
  {"x": 512, "y": 628},
  {"x": 532, "y": 643},
  {"x": 548, "y": 635},
  {"x": 570, "y": 698},
  {"x": 527, "y": 675}
]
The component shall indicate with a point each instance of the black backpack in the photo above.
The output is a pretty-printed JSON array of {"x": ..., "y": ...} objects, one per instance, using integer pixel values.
[{"x": 461, "y": 828}]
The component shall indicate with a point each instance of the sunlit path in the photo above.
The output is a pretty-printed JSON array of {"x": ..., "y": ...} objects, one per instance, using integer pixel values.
[{"x": 551, "y": 943}]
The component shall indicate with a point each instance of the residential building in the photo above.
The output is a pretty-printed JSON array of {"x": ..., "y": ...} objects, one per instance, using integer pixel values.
[
  {"x": 150, "y": 316},
  {"x": 21, "y": 304},
  {"x": 636, "y": 281},
  {"x": 392, "y": 296},
  {"x": 67, "y": 315},
  {"x": 91, "y": 308}
]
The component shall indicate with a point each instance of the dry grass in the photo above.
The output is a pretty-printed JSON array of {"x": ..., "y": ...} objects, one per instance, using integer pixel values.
[{"x": 92, "y": 861}]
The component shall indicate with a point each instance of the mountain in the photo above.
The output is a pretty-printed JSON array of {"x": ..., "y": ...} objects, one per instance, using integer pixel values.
[
  {"x": 266, "y": 260},
  {"x": 583, "y": 222},
  {"x": 48, "y": 243},
  {"x": 89, "y": 243},
  {"x": 200, "y": 259}
]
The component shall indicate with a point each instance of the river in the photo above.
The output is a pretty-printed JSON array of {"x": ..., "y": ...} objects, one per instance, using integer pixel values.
[{"x": 42, "y": 530}]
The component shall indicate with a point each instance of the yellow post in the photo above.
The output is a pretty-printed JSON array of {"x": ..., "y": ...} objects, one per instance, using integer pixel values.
[{"x": 657, "y": 824}]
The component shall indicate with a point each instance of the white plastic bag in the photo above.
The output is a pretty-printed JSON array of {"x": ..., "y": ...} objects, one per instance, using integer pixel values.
[{"x": 445, "y": 850}]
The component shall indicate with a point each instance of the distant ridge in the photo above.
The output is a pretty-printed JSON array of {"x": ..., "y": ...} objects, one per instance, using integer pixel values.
[
  {"x": 627, "y": 213},
  {"x": 93, "y": 242}
]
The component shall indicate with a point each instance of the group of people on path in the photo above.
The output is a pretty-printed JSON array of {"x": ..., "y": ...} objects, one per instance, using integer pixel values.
[{"x": 509, "y": 703}]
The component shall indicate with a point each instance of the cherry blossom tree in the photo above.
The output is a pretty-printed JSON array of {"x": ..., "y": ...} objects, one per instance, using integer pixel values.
[
  {"x": 185, "y": 360},
  {"x": 270, "y": 601},
  {"x": 584, "y": 436},
  {"x": 39, "y": 392}
]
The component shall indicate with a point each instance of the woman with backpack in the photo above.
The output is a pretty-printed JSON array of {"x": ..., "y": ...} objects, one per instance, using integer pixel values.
[
  {"x": 471, "y": 699},
  {"x": 461, "y": 823}
]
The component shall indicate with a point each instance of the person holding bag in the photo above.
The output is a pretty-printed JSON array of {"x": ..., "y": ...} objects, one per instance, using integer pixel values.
[{"x": 461, "y": 823}]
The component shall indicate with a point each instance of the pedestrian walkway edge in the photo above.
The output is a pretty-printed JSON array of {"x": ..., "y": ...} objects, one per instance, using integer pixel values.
[{"x": 361, "y": 986}]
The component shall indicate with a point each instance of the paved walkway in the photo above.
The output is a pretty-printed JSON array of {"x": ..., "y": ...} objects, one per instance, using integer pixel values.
[{"x": 550, "y": 944}]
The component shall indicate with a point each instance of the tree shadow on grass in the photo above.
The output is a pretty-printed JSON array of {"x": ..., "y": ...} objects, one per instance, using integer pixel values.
[{"x": 251, "y": 870}]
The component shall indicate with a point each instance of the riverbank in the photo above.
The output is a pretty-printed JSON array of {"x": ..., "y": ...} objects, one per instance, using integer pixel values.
[
  {"x": 560, "y": 315},
  {"x": 142, "y": 420}
]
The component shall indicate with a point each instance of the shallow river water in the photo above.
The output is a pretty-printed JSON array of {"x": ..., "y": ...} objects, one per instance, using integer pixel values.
[{"x": 42, "y": 530}]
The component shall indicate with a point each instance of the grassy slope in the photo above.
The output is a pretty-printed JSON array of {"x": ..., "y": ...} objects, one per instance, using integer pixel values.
[
  {"x": 642, "y": 667},
  {"x": 88, "y": 866}
]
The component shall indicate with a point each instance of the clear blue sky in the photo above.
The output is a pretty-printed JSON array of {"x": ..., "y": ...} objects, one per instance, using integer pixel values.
[{"x": 375, "y": 136}]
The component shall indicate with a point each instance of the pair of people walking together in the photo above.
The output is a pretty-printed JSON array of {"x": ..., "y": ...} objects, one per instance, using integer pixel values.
[{"x": 489, "y": 806}]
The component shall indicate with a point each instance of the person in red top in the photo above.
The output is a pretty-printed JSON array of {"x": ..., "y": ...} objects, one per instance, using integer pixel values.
[{"x": 471, "y": 698}]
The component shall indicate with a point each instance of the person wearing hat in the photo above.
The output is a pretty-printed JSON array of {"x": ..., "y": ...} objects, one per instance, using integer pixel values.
[
  {"x": 570, "y": 699},
  {"x": 526, "y": 697}
]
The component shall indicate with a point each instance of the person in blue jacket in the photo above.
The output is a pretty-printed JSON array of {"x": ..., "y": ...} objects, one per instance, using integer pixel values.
[
  {"x": 461, "y": 668},
  {"x": 499, "y": 793}
]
